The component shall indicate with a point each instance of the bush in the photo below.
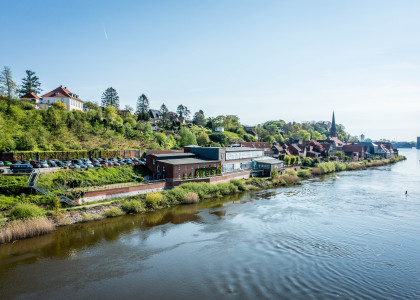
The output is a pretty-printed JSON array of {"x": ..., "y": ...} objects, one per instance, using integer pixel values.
[
  {"x": 291, "y": 172},
  {"x": 241, "y": 186},
  {"x": 132, "y": 206},
  {"x": 226, "y": 188},
  {"x": 307, "y": 162},
  {"x": 317, "y": 171},
  {"x": 153, "y": 200},
  {"x": 191, "y": 198},
  {"x": 175, "y": 195},
  {"x": 113, "y": 212},
  {"x": 304, "y": 173},
  {"x": 26, "y": 211}
]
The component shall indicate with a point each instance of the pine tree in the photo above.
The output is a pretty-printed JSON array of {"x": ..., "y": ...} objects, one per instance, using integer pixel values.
[
  {"x": 180, "y": 110},
  {"x": 165, "y": 116},
  {"x": 110, "y": 98},
  {"x": 7, "y": 85},
  {"x": 30, "y": 84},
  {"x": 142, "y": 109}
]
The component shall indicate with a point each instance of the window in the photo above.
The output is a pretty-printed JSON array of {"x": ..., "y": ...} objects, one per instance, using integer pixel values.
[
  {"x": 198, "y": 166},
  {"x": 192, "y": 167},
  {"x": 215, "y": 165},
  {"x": 221, "y": 155},
  {"x": 179, "y": 176},
  {"x": 154, "y": 161},
  {"x": 179, "y": 168},
  {"x": 186, "y": 167},
  {"x": 157, "y": 169},
  {"x": 163, "y": 168}
]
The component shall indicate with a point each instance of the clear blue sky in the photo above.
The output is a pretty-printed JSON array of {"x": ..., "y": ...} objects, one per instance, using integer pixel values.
[{"x": 259, "y": 60}]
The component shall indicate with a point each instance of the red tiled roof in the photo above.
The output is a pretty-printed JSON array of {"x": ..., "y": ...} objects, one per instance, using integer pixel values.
[
  {"x": 62, "y": 92},
  {"x": 30, "y": 96},
  {"x": 336, "y": 141},
  {"x": 353, "y": 148}
]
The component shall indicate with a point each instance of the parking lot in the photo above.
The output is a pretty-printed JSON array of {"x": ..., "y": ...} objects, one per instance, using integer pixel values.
[{"x": 48, "y": 166}]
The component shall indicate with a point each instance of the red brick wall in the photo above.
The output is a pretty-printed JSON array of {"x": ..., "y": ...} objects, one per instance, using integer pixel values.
[{"x": 126, "y": 189}]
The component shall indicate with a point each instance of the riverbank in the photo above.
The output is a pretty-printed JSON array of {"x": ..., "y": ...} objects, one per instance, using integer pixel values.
[{"x": 184, "y": 194}]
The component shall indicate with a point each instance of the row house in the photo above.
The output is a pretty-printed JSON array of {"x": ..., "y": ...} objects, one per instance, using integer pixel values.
[{"x": 356, "y": 152}]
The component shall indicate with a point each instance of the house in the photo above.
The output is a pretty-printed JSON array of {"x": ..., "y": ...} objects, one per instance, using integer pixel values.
[
  {"x": 279, "y": 149},
  {"x": 356, "y": 152},
  {"x": 294, "y": 149},
  {"x": 30, "y": 96},
  {"x": 259, "y": 145},
  {"x": 61, "y": 94},
  {"x": 267, "y": 165},
  {"x": 155, "y": 116},
  {"x": 178, "y": 166},
  {"x": 219, "y": 129}
]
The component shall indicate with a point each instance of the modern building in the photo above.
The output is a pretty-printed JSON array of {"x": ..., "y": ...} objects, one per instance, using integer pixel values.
[
  {"x": 61, "y": 94},
  {"x": 178, "y": 166},
  {"x": 418, "y": 142},
  {"x": 267, "y": 165},
  {"x": 265, "y": 146}
]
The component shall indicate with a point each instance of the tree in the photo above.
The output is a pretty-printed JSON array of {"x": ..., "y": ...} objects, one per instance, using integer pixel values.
[
  {"x": 183, "y": 111},
  {"x": 303, "y": 135},
  {"x": 203, "y": 139},
  {"x": 339, "y": 154},
  {"x": 111, "y": 113},
  {"x": 142, "y": 108},
  {"x": 199, "y": 119},
  {"x": 60, "y": 105},
  {"x": 187, "y": 137},
  {"x": 7, "y": 83},
  {"x": 165, "y": 116},
  {"x": 30, "y": 84},
  {"x": 110, "y": 98}
]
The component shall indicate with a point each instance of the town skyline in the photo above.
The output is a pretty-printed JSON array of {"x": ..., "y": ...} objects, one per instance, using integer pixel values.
[{"x": 280, "y": 61}]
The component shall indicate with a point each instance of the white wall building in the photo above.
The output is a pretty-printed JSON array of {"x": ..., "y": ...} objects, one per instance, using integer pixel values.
[{"x": 61, "y": 94}]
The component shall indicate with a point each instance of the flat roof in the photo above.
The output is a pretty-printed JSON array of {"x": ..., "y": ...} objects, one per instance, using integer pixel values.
[
  {"x": 184, "y": 161},
  {"x": 163, "y": 155},
  {"x": 240, "y": 149},
  {"x": 271, "y": 161}
]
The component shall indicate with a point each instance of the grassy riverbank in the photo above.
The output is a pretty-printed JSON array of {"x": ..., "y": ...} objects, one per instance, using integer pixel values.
[{"x": 26, "y": 220}]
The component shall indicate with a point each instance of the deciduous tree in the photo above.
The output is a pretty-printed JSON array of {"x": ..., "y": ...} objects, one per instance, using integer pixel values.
[{"x": 8, "y": 86}]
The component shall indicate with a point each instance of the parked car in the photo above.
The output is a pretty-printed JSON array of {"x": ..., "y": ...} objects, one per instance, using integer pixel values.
[
  {"x": 37, "y": 165},
  {"x": 52, "y": 164},
  {"x": 1, "y": 163},
  {"x": 21, "y": 168},
  {"x": 90, "y": 166},
  {"x": 1, "y": 171},
  {"x": 7, "y": 163},
  {"x": 75, "y": 166},
  {"x": 97, "y": 165},
  {"x": 44, "y": 164}
]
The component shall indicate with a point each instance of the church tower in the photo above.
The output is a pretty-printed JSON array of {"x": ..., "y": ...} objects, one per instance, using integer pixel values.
[{"x": 333, "y": 130}]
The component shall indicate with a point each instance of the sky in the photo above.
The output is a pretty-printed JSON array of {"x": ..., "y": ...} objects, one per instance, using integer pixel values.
[{"x": 259, "y": 60}]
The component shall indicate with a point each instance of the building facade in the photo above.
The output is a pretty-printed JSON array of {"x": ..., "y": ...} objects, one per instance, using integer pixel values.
[{"x": 61, "y": 94}]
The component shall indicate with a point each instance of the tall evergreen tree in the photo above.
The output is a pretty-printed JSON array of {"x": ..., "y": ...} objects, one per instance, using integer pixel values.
[
  {"x": 142, "y": 108},
  {"x": 180, "y": 110},
  {"x": 165, "y": 116},
  {"x": 7, "y": 85},
  {"x": 110, "y": 98},
  {"x": 30, "y": 84}
]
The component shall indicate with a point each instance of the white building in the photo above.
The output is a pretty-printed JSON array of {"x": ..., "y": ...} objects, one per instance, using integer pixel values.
[{"x": 61, "y": 94}]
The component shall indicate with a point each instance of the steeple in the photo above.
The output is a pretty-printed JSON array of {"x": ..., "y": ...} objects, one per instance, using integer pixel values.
[{"x": 333, "y": 130}]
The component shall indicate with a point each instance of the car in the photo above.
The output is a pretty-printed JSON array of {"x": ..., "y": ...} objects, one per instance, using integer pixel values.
[
  {"x": 61, "y": 164},
  {"x": 37, "y": 165},
  {"x": 1, "y": 171},
  {"x": 90, "y": 166},
  {"x": 1, "y": 163},
  {"x": 44, "y": 165},
  {"x": 75, "y": 166},
  {"x": 27, "y": 162},
  {"x": 7, "y": 163},
  {"x": 21, "y": 168},
  {"x": 116, "y": 164},
  {"x": 52, "y": 164}
]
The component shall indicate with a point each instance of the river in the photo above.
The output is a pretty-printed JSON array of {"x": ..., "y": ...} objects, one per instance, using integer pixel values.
[{"x": 350, "y": 235}]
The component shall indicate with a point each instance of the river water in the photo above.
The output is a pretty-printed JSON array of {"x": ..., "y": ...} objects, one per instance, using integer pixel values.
[{"x": 351, "y": 235}]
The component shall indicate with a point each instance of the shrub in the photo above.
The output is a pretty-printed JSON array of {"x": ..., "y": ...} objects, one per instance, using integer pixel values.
[
  {"x": 132, "y": 206},
  {"x": 258, "y": 182},
  {"x": 190, "y": 198},
  {"x": 291, "y": 172},
  {"x": 175, "y": 195},
  {"x": 26, "y": 211},
  {"x": 288, "y": 180},
  {"x": 317, "y": 171},
  {"x": 20, "y": 229},
  {"x": 153, "y": 200},
  {"x": 307, "y": 162},
  {"x": 226, "y": 188},
  {"x": 304, "y": 173},
  {"x": 241, "y": 186},
  {"x": 113, "y": 212}
]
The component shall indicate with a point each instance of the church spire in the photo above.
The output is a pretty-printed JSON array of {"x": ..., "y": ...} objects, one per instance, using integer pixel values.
[{"x": 333, "y": 130}]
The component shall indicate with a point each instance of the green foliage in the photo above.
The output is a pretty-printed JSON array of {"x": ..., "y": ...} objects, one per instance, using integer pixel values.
[
  {"x": 187, "y": 137},
  {"x": 110, "y": 98},
  {"x": 203, "y": 139},
  {"x": 304, "y": 173},
  {"x": 241, "y": 185},
  {"x": 339, "y": 154},
  {"x": 92, "y": 177},
  {"x": 153, "y": 200},
  {"x": 26, "y": 211},
  {"x": 115, "y": 212},
  {"x": 132, "y": 206},
  {"x": 30, "y": 84},
  {"x": 12, "y": 185},
  {"x": 174, "y": 196},
  {"x": 307, "y": 162}
]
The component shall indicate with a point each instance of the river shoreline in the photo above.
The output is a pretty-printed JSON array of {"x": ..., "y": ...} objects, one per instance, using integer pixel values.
[{"x": 99, "y": 211}]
